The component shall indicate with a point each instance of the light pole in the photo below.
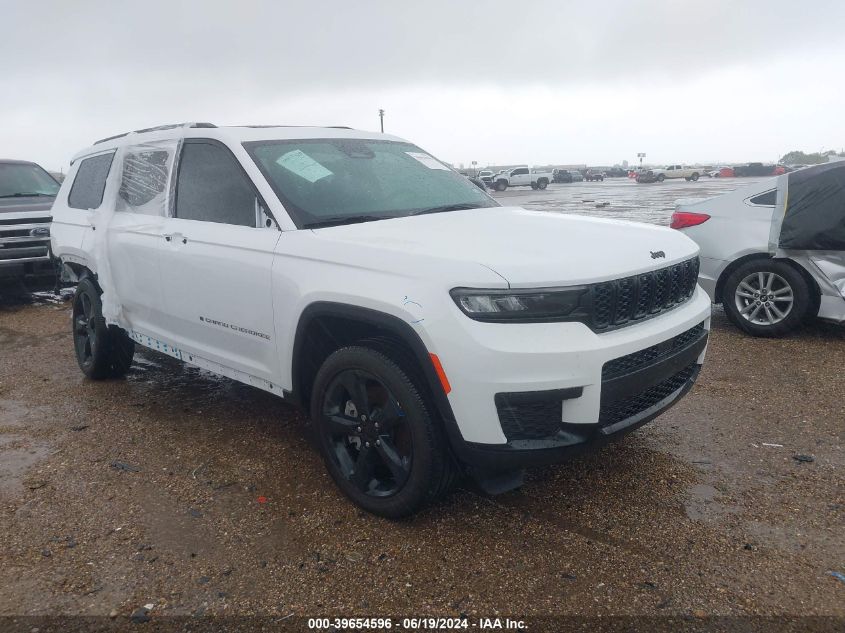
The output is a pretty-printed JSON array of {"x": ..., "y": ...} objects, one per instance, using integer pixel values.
[
  {"x": 641, "y": 155},
  {"x": 474, "y": 168},
  {"x": 381, "y": 119}
]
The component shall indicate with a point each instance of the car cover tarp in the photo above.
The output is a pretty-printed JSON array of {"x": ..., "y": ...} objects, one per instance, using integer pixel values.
[{"x": 814, "y": 214}]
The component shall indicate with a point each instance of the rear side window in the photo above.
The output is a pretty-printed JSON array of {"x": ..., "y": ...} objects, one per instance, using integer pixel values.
[
  {"x": 767, "y": 199},
  {"x": 145, "y": 177},
  {"x": 90, "y": 182},
  {"x": 212, "y": 187}
]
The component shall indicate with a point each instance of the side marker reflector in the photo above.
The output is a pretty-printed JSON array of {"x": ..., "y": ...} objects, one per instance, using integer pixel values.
[{"x": 440, "y": 373}]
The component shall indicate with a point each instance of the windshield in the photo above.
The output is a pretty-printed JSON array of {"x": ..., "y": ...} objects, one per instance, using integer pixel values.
[
  {"x": 21, "y": 180},
  {"x": 332, "y": 180}
]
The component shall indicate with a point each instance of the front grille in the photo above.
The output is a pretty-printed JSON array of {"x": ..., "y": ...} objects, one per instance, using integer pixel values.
[
  {"x": 17, "y": 242},
  {"x": 624, "y": 408},
  {"x": 644, "y": 357},
  {"x": 630, "y": 299},
  {"x": 528, "y": 420}
]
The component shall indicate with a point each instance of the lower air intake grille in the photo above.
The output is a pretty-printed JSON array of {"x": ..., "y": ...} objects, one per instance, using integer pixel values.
[
  {"x": 624, "y": 408},
  {"x": 528, "y": 420},
  {"x": 632, "y": 362}
]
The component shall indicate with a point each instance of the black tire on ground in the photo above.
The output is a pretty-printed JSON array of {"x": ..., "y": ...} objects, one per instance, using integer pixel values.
[
  {"x": 392, "y": 470},
  {"x": 542, "y": 183},
  {"x": 534, "y": 185},
  {"x": 784, "y": 275},
  {"x": 501, "y": 185},
  {"x": 695, "y": 177},
  {"x": 102, "y": 351}
]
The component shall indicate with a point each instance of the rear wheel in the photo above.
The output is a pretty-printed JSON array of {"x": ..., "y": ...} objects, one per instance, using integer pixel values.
[
  {"x": 766, "y": 297},
  {"x": 380, "y": 443},
  {"x": 542, "y": 183},
  {"x": 695, "y": 177},
  {"x": 102, "y": 351}
]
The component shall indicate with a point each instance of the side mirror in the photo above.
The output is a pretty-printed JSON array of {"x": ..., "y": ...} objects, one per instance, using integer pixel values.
[{"x": 263, "y": 217}]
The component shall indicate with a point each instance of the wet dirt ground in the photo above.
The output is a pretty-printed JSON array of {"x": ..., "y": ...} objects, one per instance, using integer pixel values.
[{"x": 198, "y": 495}]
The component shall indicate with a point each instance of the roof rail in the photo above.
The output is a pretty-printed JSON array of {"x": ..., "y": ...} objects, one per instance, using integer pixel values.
[
  {"x": 332, "y": 127},
  {"x": 158, "y": 128}
]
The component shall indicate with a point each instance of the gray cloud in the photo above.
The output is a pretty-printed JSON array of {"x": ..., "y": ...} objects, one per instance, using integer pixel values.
[{"x": 100, "y": 67}]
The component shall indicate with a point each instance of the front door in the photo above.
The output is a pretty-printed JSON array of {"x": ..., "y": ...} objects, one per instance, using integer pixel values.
[{"x": 216, "y": 263}]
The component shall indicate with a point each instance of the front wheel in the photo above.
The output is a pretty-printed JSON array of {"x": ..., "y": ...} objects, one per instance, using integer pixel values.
[
  {"x": 501, "y": 185},
  {"x": 380, "y": 443},
  {"x": 694, "y": 177},
  {"x": 766, "y": 297},
  {"x": 102, "y": 351},
  {"x": 661, "y": 178}
]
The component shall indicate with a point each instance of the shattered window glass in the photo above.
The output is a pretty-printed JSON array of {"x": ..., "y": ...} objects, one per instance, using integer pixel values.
[
  {"x": 90, "y": 182},
  {"x": 145, "y": 177}
]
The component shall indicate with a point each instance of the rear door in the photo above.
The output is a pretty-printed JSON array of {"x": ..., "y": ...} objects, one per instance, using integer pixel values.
[
  {"x": 520, "y": 176},
  {"x": 128, "y": 229},
  {"x": 216, "y": 259}
]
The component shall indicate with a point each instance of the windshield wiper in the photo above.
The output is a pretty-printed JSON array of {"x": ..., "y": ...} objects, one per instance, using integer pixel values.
[
  {"x": 345, "y": 219},
  {"x": 448, "y": 207},
  {"x": 28, "y": 195}
]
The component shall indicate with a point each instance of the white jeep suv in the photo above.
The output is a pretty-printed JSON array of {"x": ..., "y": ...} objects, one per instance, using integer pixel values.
[{"x": 428, "y": 330}]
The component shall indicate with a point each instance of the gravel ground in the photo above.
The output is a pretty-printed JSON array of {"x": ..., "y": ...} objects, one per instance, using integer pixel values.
[{"x": 200, "y": 495}]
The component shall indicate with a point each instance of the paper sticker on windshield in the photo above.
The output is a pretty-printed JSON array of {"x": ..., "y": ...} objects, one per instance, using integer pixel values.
[
  {"x": 428, "y": 161},
  {"x": 303, "y": 165}
]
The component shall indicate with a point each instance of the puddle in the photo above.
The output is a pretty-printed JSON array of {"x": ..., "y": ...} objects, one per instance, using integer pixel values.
[
  {"x": 17, "y": 456},
  {"x": 703, "y": 504}
]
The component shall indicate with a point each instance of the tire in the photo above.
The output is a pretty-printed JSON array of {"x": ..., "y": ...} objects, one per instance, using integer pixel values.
[
  {"x": 752, "y": 314},
  {"x": 687, "y": 179},
  {"x": 501, "y": 185},
  {"x": 102, "y": 351},
  {"x": 661, "y": 178},
  {"x": 534, "y": 186},
  {"x": 542, "y": 183},
  {"x": 695, "y": 177},
  {"x": 406, "y": 465}
]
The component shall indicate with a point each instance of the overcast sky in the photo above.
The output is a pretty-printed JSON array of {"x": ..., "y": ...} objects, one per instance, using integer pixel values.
[{"x": 495, "y": 82}]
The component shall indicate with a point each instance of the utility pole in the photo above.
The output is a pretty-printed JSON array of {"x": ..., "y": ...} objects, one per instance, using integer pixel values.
[{"x": 381, "y": 119}]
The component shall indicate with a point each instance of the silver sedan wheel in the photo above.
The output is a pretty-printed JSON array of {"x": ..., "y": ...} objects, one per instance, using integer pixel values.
[{"x": 764, "y": 298}]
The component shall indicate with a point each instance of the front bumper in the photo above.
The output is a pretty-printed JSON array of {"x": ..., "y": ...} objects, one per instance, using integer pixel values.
[
  {"x": 645, "y": 394},
  {"x": 566, "y": 362}
]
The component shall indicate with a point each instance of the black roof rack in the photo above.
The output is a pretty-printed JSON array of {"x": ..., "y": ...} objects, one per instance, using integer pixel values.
[
  {"x": 169, "y": 126},
  {"x": 333, "y": 127}
]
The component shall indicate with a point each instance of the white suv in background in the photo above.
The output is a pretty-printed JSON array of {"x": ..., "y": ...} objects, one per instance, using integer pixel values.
[{"x": 427, "y": 329}]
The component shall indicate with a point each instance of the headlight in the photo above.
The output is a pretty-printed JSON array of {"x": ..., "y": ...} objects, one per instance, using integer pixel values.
[{"x": 532, "y": 305}]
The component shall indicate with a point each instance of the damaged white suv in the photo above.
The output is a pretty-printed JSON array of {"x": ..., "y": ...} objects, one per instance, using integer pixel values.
[{"x": 428, "y": 330}]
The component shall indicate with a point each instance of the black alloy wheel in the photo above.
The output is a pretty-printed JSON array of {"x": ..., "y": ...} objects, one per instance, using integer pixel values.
[{"x": 368, "y": 433}]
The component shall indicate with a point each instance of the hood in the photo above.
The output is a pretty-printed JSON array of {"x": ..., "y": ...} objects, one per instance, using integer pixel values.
[
  {"x": 526, "y": 248},
  {"x": 35, "y": 205}
]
